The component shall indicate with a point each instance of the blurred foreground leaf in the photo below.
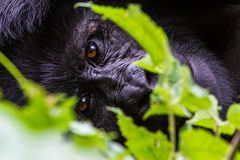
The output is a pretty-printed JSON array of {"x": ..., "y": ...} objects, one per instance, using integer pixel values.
[
  {"x": 199, "y": 144},
  {"x": 233, "y": 115},
  {"x": 142, "y": 143}
]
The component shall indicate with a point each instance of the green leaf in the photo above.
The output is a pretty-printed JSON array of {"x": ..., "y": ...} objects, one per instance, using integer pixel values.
[
  {"x": 233, "y": 115},
  {"x": 48, "y": 111},
  {"x": 156, "y": 109},
  {"x": 19, "y": 143},
  {"x": 227, "y": 128},
  {"x": 157, "y": 101},
  {"x": 142, "y": 143},
  {"x": 199, "y": 144},
  {"x": 203, "y": 119},
  {"x": 237, "y": 156},
  {"x": 147, "y": 64},
  {"x": 161, "y": 109},
  {"x": 87, "y": 135},
  {"x": 209, "y": 118},
  {"x": 195, "y": 99},
  {"x": 188, "y": 94}
]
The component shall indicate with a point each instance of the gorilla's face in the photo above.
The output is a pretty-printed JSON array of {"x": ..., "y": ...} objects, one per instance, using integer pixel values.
[
  {"x": 76, "y": 52},
  {"x": 95, "y": 65}
]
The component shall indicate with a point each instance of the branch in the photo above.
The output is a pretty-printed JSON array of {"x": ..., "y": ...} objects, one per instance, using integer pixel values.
[{"x": 235, "y": 143}]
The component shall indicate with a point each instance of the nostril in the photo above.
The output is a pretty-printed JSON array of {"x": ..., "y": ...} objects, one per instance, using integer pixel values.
[
  {"x": 134, "y": 73},
  {"x": 151, "y": 79},
  {"x": 139, "y": 77}
]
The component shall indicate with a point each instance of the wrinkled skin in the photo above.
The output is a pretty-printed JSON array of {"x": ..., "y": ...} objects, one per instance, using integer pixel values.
[{"x": 53, "y": 53}]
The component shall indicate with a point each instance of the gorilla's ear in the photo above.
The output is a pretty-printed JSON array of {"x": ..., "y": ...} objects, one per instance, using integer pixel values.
[{"x": 18, "y": 17}]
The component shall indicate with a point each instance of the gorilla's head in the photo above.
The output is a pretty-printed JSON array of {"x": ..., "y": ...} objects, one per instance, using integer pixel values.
[
  {"x": 96, "y": 66},
  {"x": 78, "y": 53}
]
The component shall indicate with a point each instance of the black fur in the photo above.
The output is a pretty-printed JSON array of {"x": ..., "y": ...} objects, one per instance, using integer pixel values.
[
  {"x": 21, "y": 16},
  {"x": 47, "y": 41}
]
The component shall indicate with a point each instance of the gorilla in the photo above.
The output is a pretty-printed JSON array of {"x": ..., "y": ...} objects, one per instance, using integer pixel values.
[{"x": 76, "y": 52}]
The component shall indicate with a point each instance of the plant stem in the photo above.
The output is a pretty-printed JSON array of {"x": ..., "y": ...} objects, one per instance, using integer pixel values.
[
  {"x": 217, "y": 132},
  {"x": 172, "y": 133},
  {"x": 12, "y": 69},
  {"x": 235, "y": 143}
]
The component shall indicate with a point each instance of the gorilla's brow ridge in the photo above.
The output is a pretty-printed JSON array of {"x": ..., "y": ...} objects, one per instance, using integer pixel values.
[{"x": 104, "y": 25}]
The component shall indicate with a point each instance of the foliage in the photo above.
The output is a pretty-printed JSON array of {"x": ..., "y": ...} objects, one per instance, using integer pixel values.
[{"x": 45, "y": 128}]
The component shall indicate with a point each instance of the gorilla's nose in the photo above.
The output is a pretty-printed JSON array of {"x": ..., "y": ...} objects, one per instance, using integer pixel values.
[
  {"x": 138, "y": 77},
  {"x": 138, "y": 84}
]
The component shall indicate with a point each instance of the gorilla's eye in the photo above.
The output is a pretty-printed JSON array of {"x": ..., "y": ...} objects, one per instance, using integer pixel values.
[
  {"x": 92, "y": 50},
  {"x": 84, "y": 103}
]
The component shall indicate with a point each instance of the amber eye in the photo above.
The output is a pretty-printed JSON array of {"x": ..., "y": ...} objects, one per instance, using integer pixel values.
[
  {"x": 92, "y": 51},
  {"x": 84, "y": 103}
]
